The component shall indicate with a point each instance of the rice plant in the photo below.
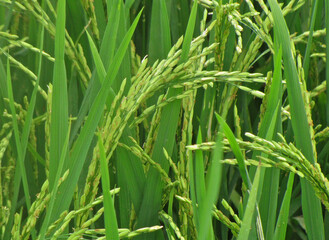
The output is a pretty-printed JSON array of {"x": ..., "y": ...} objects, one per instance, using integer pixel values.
[{"x": 164, "y": 119}]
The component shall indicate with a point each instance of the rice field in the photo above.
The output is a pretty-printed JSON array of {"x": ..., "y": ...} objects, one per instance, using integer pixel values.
[{"x": 164, "y": 119}]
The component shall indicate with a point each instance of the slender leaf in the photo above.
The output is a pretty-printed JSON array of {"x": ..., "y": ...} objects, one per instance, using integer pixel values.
[
  {"x": 106, "y": 52},
  {"x": 59, "y": 115},
  {"x": 167, "y": 129},
  {"x": 306, "y": 62},
  {"x": 327, "y": 57},
  {"x": 83, "y": 141},
  {"x": 269, "y": 198},
  {"x": 129, "y": 168},
  {"x": 21, "y": 165},
  {"x": 25, "y": 132},
  {"x": 236, "y": 150},
  {"x": 160, "y": 40},
  {"x": 61, "y": 162},
  {"x": 111, "y": 225},
  {"x": 281, "y": 226},
  {"x": 250, "y": 209},
  {"x": 197, "y": 181},
  {"x": 213, "y": 181},
  {"x": 310, "y": 203}
]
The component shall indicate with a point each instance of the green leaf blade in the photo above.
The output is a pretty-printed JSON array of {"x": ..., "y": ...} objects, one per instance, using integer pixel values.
[
  {"x": 81, "y": 146},
  {"x": 310, "y": 203},
  {"x": 59, "y": 115}
]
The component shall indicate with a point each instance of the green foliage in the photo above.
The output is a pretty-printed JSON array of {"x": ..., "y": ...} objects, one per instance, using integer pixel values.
[{"x": 190, "y": 119}]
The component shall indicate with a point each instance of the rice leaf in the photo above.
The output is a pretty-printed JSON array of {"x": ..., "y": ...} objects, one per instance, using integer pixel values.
[
  {"x": 25, "y": 132},
  {"x": 3, "y": 83},
  {"x": 281, "y": 226},
  {"x": 98, "y": 63},
  {"x": 213, "y": 182},
  {"x": 129, "y": 168},
  {"x": 83, "y": 141},
  {"x": 100, "y": 18},
  {"x": 110, "y": 35},
  {"x": 160, "y": 37},
  {"x": 200, "y": 185},
  {"x": 106, "y": 52},
  {"x": 327, "y": 57},
  {"x": 269, "y": 198},
  {"x": 21, "y": 167},
  {"x": 307, "y": 54},
  {"x": 197, "y": 181},
  {"x": 50, "y": 206},
  {"x": 310, "y": 203},
  {"x": 189, "y": 32},
  {"x": 59, "y": 115},
  {"x": 236, "y": 150},
  {"x": 166, "y": 138},
  {"x": 111, "y": 225},
  {"x": 250, "y": 209}
]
